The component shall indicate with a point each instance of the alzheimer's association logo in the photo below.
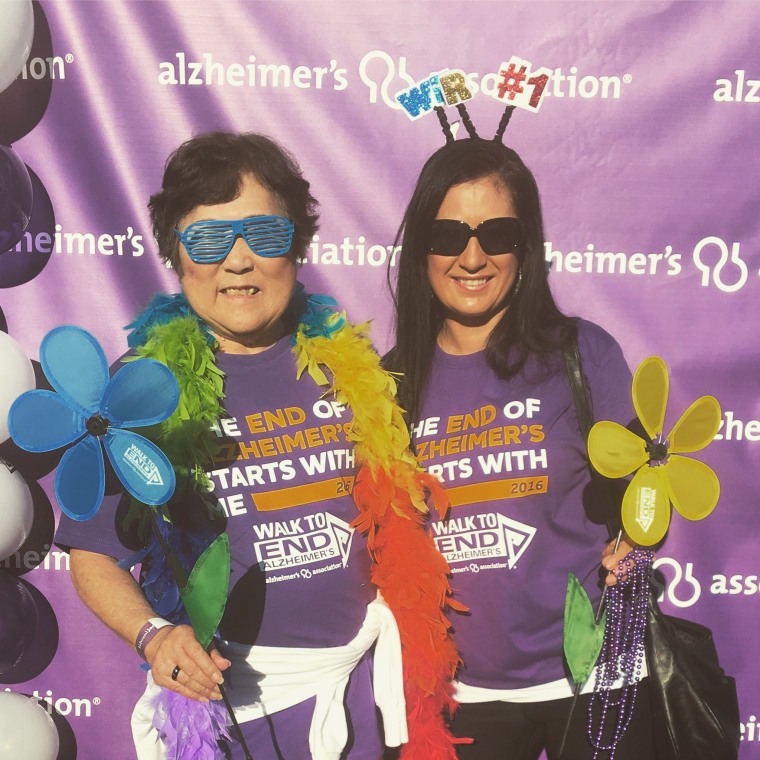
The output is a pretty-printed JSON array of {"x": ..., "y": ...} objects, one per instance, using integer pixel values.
[{"x": 683, "y": 589}]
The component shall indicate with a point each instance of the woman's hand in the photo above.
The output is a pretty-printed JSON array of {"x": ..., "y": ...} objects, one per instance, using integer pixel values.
[
  {"x": 115, "y": 597},
  {"x": 611, "y": 559},
  {"x": 199, "y": 673}
]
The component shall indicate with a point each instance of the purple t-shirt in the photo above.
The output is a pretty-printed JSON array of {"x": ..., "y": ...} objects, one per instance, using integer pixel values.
[
  {"x": 300, "y": 574},
  {"x": 515, "y": 466}
]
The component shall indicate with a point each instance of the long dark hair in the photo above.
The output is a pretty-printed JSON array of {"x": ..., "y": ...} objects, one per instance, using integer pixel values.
[{"x": 533, "y": 324}]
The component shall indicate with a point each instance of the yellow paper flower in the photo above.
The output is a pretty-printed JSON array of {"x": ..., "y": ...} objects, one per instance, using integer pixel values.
[{"x": 662, "y": 476}]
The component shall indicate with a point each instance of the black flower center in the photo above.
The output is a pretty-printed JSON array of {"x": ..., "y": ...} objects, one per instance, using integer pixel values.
[
  {"x": 657, "y": 450},
  {"x": 97, "y": 426}
]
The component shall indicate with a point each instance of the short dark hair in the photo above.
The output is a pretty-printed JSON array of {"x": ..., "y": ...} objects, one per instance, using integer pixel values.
[
  {"x": 209, "y": 168},
  {"x": 533, "y": 318}
]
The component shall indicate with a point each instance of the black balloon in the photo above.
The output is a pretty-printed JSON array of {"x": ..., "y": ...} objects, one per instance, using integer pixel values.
[
  {"x": 18, "y": 621},
  {"x": 15, "y": 197},
  {"x": 24, "y": 102},
  {"x": 40, "y": 652},
  {"x": 36, "y": 246}
]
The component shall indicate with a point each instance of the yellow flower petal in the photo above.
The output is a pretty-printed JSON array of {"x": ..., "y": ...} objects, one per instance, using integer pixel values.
[
  {"x": 694, "y": 487},
  {"x": 615, "y": 451},
  {"x": 650, "y": 394},
  {"x": 646, "y": 509},
  {"x": 697, "y": 426}
]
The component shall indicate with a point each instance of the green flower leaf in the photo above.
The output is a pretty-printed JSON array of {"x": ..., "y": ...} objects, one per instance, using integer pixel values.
[
  {"x": 205, "y": 594},
  {"x": 582, "y": 636}
]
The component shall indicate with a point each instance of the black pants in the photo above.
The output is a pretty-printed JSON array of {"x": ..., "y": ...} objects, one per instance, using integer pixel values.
[{"x": 514, "y": 731}]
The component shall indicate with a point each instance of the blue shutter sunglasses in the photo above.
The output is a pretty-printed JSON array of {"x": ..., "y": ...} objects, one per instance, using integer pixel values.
[{"x": 209, "y": 242}]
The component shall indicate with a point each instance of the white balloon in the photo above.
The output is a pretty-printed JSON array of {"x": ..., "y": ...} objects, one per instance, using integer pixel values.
[
  {"x": 16, "y": 377},
  {"x": 16, "y": 34},
  {"x": 16, "y": 510},
  {"x": 26, "y": 729}
]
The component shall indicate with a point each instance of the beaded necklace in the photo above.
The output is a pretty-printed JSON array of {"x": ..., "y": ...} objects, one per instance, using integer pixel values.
[{"x": 622, "y": 653}]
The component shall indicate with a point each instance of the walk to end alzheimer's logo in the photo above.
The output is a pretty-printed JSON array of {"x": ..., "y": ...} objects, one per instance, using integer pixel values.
[
  {"x": 305, "y": 546},
  {"x": 488, "y": 537}
]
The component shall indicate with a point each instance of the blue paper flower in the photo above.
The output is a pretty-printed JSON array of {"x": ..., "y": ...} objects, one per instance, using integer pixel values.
[{"x": 88, "y": 410}]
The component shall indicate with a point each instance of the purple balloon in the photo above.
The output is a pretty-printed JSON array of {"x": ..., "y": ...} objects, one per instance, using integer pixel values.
[
  {"x": 15, "y": 198},
  {"x": 18, "y": 621},
  {"x": 37, "y": 242}
]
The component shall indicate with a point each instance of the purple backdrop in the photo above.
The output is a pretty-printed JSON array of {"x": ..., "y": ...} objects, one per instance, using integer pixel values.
[{"x": 645, "y": 150}]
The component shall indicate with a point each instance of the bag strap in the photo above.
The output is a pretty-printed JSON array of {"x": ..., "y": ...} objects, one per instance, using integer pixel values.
[
  {"x": 572, "y": 356},
  {"x": 578, "y": 387}
]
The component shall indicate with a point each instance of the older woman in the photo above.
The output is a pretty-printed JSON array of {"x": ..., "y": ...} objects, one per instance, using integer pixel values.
[
  {"x": 257, "y": 434},
  {"x": 479, "y": 341}
]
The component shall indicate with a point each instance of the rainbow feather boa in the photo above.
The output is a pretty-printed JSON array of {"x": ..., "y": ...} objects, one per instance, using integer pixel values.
[{"x": 390, "y": 489}]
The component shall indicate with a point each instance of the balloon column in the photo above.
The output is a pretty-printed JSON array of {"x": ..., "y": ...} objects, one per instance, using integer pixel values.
[
  {"x": 25, "y": 208},
  {"x": 18, "y": 613},
  {"x": 26, "y": 728}
]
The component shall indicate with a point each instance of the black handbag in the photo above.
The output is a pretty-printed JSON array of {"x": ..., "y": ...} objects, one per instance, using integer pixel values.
[{"x": 695, "y": 712}]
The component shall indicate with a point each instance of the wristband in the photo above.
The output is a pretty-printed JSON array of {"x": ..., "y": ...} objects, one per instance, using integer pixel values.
[{"x": 147, "y": 632}]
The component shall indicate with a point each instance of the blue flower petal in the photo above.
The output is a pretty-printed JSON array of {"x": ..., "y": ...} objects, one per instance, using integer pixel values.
[
  {"x": 76, "y": 367},
  {"x": 142, "y": 467},
  {"x": 142, "y": 392},
  {"x": 42, "y": 421},
  {"x": 80, "y": 479}
]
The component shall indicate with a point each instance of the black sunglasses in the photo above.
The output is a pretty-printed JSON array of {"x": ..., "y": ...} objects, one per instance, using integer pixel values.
[{"x": 449, "y": 237}]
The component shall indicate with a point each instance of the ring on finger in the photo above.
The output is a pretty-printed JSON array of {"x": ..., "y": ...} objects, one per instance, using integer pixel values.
[{"x": 175, "y": 672}]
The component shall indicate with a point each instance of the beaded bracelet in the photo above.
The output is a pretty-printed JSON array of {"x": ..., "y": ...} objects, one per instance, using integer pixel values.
[{"x": 147, "y": 632}]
